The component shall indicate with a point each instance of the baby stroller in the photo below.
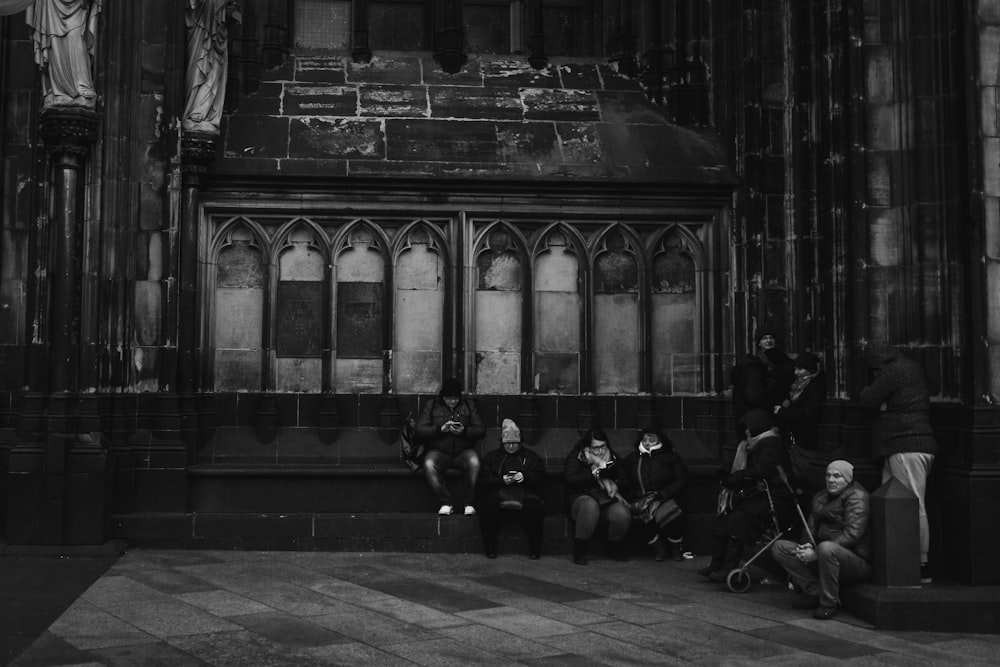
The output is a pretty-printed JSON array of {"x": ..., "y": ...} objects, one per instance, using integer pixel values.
[{"x": 738, "y": 580}]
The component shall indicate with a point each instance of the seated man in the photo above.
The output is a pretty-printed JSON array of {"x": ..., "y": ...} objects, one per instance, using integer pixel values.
[
  {"x": 450, "y": 426},
  {"x": 838, "y": 523}
]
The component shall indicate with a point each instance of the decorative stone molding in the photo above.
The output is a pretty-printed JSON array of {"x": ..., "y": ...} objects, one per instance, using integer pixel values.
[
  {"x": 70, "y": 131},
  {"x": 199, "y": 148}
]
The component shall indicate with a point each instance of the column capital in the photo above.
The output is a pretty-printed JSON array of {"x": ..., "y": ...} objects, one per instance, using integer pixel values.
[
  {"x": 69, "y": 132},
  {"x": 198, "y": 148}
]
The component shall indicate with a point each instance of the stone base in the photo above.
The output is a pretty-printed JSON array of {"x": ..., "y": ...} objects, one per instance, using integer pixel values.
[{"x": 937, "y": 607}]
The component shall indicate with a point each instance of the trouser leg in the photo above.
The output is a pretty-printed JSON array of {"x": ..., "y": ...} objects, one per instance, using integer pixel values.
[
  {"x": 911, "y": 469},
  {"x": 836, "y": 565},
  {"x": 489, "y": 523},
  {"x": 468, "y": 462},
  {"x": 435, "y": 463},
  {"x": 532, "y": 516},
  {"x": 803, "y": 575},
  {"x": 585, "y": 513}
]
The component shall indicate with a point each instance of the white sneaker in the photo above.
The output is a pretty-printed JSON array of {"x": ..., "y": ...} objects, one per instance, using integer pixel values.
[
  {"x": 445, "y": 510},
  {"x": 470, "y": 510}
]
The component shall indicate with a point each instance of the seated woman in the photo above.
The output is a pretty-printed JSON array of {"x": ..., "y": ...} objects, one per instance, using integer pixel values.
[
  {"x": 744, "y": 509},
  {"x": 510, "y": 483},
  {"x": 839, "y": 523},
  {"x": 654, "y": 476},
  {"x": 591, "y": 475}
]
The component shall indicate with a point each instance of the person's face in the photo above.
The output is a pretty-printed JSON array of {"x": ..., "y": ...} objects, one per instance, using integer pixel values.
[
  {"x": 598, "y": 447},
  {"x": 650, "y": 440},
  {"x": 452, "y": 401},
  {"x": 835, "y": 482},
  {"x": 767, "y": 342},
  {"x": 511, "y": 447}
]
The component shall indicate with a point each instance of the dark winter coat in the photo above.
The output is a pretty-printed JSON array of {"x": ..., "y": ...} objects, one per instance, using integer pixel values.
[
  {"x": 578, "y": 480},
  {"x": 761, "y": 383},
  {"x": 662, "y": 472},
  {"x": 435, "y": 413},
  {"x": 498, "y": 462},
  {"x": 802, "y": 416},
  {"x": 844, "y": 519},
  {"x": 904, "y": 425},
  {"x": 762, "y": 465}
]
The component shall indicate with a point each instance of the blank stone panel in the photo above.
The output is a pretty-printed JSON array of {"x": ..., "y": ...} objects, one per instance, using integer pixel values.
[
  {"x": 616, "y": 343},
  {"x": 323, "y": 24},
  {"x": 299, "y": 375},
  {"x": 498, "y": 372},
  {"x": 300, "y": 262},
  {"x": 396, "y": 26},
  {"x": 673, "y": 336},
  {"x": 417, "y": 372},
  {"x": 420, "y": 268},
  {"x": 498, "y": 321},
  {"x": 487, "y": 27},
  {"x": 360, "y": 265},
  {"x": 557, "y": 373},
  {"x": 557, "y": 317},
  {"x": 419, "y": 320},
  {"x": 238, "y": 318},
  {"x": 357, "y": 376},
  {"x": 237, "y": 370},
  {"x": 557, "y": 271}
]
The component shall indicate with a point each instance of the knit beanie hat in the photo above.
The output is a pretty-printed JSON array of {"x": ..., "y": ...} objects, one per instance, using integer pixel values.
[
  {"x": 808, "y": 361},
  {"x": 764, "y": 330},
  {"x": 756, "y": 421},
  {"x": 509, "y": 432},
  {"x": 451, "y": 387},
  {"x": 843, "y": 467}
]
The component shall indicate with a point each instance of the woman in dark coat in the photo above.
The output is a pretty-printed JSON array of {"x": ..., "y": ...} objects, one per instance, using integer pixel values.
[
  {"x": 744, "y": 510},
  {"x": 654, "y": 476},
  {"x": 798, "y": 416},
  {"x": 591, "y": 476},
  {"x": 513, "y": 474}
]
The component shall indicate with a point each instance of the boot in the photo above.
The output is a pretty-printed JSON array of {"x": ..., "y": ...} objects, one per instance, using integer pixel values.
[
  {"x": 718, "y": 555},
  {"x": 676, "y": 549},
  {"x": 580, "y": 551},
  {"x": 660, "y": 550},
  {"x": 734, "y": 552}
]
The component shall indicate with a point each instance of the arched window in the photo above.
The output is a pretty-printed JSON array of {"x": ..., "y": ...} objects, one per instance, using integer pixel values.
[
  {"x": 419, "y": 312},
  {"x": 360, "y": 313},
  {"x": 300, "y": 335},
  {"x": 499, "y": 300},
  {"x": 675, "y": 317},
  {"x": 240, "y": 282},
  {"x": 616, "y": 317},
  {"x": 557, "y": 312}
]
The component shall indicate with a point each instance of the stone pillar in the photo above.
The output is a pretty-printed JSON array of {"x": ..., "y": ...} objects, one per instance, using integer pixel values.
[
  {"x": 895, "y": 535},
  {"x": 449, "y": 36}
]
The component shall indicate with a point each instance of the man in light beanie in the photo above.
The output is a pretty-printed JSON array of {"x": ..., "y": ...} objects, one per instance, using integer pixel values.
[
  {"x": 834, "y": 548},
  {"x": 510, "y": 484}
]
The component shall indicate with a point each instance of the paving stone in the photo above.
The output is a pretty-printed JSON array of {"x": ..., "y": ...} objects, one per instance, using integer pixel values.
[
  {"x": 814, "y": 642},
  {"x": 370, "y": 627},
  {"x": 48, "y": 649},
  {"x": 158, "y": 654},
  {"x": 239, "y": 648},
  {"x": 169, "y": 617},
  {"x": 355, "y": 654},
  {"x": 623, "y": 610},
  {"x": 223, "y": 603},
  {"x": 561, "y": 660},
  {"x": 432, "y": 595},
  {"x": 608, "y": 651},
  {"x": 289, "y": 630},
  {"x": 722, "y": 617},
  {"x": 518, "y": 622},
  {"x": 666, "y": 644},
  {"x": 497, "y": 642},
  {"x": 445, "y": 652},
  {"x": 171, "y": 582},
  {"x": 411, "y": 612},
  {"x": 109, "y": 591},
  {"x": 721, "y": 639},
  {"x": 86, "y": 627}
]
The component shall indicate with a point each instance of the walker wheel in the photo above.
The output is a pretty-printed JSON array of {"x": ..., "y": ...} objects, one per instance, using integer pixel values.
[{"x": 738, "y": 581}]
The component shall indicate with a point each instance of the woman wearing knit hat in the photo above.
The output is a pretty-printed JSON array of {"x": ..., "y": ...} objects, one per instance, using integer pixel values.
[
  {"x": 510, "y": 483},
  {"x": 760, "y": 381},
  {"x": 798, "y": 416},
  {"x": 654, "y": 477},
  {"x": 834, "y": 548}
]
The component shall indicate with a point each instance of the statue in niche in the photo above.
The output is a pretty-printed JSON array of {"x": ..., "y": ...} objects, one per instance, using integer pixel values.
[
  {"x": 207, "y": 62},
  {"x": 64, "y": 33}
]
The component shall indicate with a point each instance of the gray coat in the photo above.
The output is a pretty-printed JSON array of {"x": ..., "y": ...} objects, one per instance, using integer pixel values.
[{"x": 904, "y": 425}]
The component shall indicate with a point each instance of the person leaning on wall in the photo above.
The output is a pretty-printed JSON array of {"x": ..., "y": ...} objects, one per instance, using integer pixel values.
[
  {"x": 591, "y": 475},
  {"x": 450, "y": 426},
  {"x": 510, "y": 484},
  {"x": 901, "y": 428}
]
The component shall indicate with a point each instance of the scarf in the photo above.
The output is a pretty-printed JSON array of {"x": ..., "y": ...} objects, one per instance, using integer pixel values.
[
  {"x": 597, "y": 463},
  {"x": 799, "y": 385},
  {"x": 644, "y": 450}
]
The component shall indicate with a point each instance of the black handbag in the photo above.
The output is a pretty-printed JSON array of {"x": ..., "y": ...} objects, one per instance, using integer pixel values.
[{"x": 511, "y": 498}]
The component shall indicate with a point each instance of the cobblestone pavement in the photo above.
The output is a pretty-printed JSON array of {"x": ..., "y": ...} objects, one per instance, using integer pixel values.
[{"x": 162, "y": 607}]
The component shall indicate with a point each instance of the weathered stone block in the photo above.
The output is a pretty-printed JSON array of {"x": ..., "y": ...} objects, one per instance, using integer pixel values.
[
  {"x": 883, "y": 236},
  {"x": 470, "y": 75},
  {"x": 558, "y": 322},
  {"x": 302, "y": 100},
  {"x": 613, "y": 80},
  {"x": 579, "y": 143},
  {"x": 417, "y": 372},
  {"x": 393, "y": 101},
  {"x": 512, "y": 72},
  {"x": 465, "y": 102},
  {"x": 546, "y": 104},
  {"x": 357, "y": 376},
  {"x": 629, "y": 107},
  {"x": 385, "y": 68},
  {"x": 237, "y": 370},
  {"x": 531, "y": 143},
  {"x": 419, "y": 320},
  {"x": 989, "y": 45},
  {"x": 579, "y": 76},
  {"x": 498, "y": 321},
  {"x": 336, "y": 138},
  {"x": 11, "y": 311},
  {"x": 441, "y": 140},
  {"x": 673, "y": 323},
  {"x": 557, "y": 373},
  {"x": 498, "y": 372},
  {"x": 320, "y": 70},
  {"x": 257, "y": 136},
  {"x": 991, "y": 167},
  {"x": 616, "y": 343}
]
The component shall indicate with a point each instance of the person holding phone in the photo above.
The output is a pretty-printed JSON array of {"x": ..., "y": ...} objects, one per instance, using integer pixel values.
[
  {"x": 510, "y": 485},
  {"x": 450, "y": 427}
]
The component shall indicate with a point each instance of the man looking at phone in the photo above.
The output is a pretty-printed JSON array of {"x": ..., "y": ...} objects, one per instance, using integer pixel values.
[{"x": 450, "y": 426}]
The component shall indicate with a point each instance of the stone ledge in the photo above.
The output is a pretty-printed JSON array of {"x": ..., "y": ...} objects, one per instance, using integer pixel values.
[{"x": 936, "y": 607}]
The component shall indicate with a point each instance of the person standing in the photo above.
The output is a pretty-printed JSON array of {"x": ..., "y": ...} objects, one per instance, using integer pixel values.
[
  {"x": 591, "y": 475},
  {"x": 510, "y": 483},
  {"x": 761, "y": 381},
  {"x": 450, "y": 426},
  {"x": 839, "y": 523},
  {"x": 901, "y": 429}
]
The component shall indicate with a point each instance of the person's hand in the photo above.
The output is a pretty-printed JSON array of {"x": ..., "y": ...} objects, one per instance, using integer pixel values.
[
  {"x": 457, "y": 427},
  {"x": 518, "y": 477},
  {"x": 508, "y": 478},
  {"x": 805, "y": 553}
]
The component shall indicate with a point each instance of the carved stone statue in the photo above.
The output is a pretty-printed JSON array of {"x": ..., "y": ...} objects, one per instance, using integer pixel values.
[
  {"x": 207, "y": 60},
  {"x": 64, "y": 33}
]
